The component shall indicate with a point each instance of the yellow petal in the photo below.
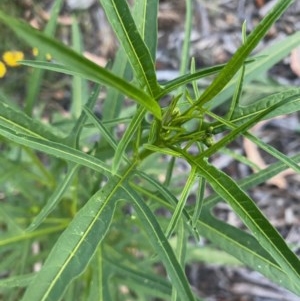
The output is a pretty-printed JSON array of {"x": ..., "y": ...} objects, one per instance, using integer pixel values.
[
  {"x": 35, "y": 51},
  {"x": 48, "y": 57},
  {"x": 11, "y": 58},
  {"x": 2, "y": 70}
]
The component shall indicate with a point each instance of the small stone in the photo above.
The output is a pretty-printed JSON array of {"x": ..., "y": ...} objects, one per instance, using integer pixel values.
[{"x": 79, "y": 4}]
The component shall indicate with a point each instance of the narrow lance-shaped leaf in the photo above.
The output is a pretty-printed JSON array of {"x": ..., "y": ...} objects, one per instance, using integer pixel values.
[
  {"x": 170, "y": 201},
  {"x": 244, "y": 247},
  {"x": 21, "y": 123},
  {"x": 74, "y": 135},
  {"x": 256, "y": 117},
  {"x": 190, "y": 77},
  {"x": 119, "y": 15},
  {"x": 282, "y": 104},
  {"x": 77, "y": 63},
  {"x": 274, "y": 152},
  {"x": 246, "y": 125},
  {"x": 35, "y": 79},
  {"x": 150, "y": 282},
  {"x": 16, "y": 281},
  {"x": 101, "y": 273},
  {"x": 185, "y": 54},
  {"x": 242, "y": 113},
  {"x": 58, "y": 150},
  {"x": 268, "y": 58},
  {"x": 145, "y": 16},
  {"x": 79, "y": 85},
  {"x": 253, "y": 180},
  {"x": 127, "y": 137},
  {"x": 102, "y": 129},
  {"x": 263, "y": 231},
  {"x": 76, "y": 246},
  {"x": 243, "y": 52},
  {"x": 182, "y": 201},
  {"x": 55, "y": 198},
  {"x": 161, "y": 245},
  {"x": 20, "y": 237},
  {"x": 114, "y": 99},
  {"x": 180, "y": 252}
]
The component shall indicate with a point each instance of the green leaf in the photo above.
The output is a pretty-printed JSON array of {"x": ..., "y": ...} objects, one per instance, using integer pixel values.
[
  {"x": 17, "y": 281},
  {"x": 77, "y": 64},
  {"x": 243, "y": 52},
  {"x": 180, "y": 252},
  {"x": 237, "y": 94},
  {"x": 18, "y": 121},
  {"x": 35, "y": 79},
  {"x": 254, "y": 179},
  {"x": 112, "y": 105},
  {"x": 166, "y": 197},
  {"x": 127, "y": 137},
  {"x": 244, "y": 247},
  {"x": 145, "y": 16},
  {"x": 55, "y": 198},
  {"x": 99, "y": 284},
  {"x": 242, "y": 113},
  {"x": 246, "y": 209},
  {"x": 284, "y": 100},
  {"x": 268, "y": 58},
  {"x": 73, "y": 138},
  {"x": 191, "y": 77},
  {"x": 245, "y": 126},
  {"x": 104, "y": 132},
  {"x": 185, "y": 54},
  {"x": 9, "y": 222},
  {"x": 118, "y": 14},
  {"x": 182, "y": 201},
  {"x": 274, "y": 152},
  {"x": 76, "y": 246},
  {"x": 58, "y": 150},
  {"x": 184, "y": 79},
  {"x": 199, "y": 200},
  {"x": 79, "y": 85},
  {"x": 281, "y": 100},
  {"x": 25, "y": 236},
  {"x": 155, "y": 284},
  {"x": 161, "y": 245}
]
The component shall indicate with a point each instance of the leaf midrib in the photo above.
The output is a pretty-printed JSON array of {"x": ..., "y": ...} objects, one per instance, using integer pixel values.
[{"x": 119, "y": 182}]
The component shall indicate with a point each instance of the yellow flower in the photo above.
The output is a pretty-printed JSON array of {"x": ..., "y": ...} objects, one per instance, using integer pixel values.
[
  {"x": 2, "y": 69},
  {"x": 11, "y": 58},
  {"x": 35, "y": 52},
  {"x": 48, "y": 57}
]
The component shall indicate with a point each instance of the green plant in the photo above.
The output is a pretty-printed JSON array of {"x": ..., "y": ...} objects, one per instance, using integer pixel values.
[{"x": 92, "y": 208}]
